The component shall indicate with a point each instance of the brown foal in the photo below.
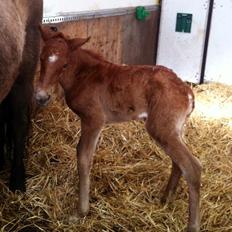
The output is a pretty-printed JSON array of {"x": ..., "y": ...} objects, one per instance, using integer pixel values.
[{"x": 100, "y": 92}]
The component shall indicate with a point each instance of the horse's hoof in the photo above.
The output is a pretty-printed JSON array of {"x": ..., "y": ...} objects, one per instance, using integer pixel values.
[
  {"x": 17, "y": 187},
  {"x": 2, "y": 164}
]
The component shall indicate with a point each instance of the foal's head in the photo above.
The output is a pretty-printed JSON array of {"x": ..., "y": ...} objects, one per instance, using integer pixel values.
[{"x": 54, "y": 60}]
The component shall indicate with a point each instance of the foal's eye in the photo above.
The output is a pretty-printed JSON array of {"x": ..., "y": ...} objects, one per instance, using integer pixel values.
[{"x": 65, "y": 66}]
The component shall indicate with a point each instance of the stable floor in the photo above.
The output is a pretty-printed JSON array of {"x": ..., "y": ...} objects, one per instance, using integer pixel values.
[{"x": 128, "y": 177}]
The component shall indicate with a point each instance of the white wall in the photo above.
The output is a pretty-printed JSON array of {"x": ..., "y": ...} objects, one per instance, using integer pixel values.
[
  {"x": 60, "y": 7},
  {"x": 180, "y": 51},
  {"x": 219, "y": 59}
]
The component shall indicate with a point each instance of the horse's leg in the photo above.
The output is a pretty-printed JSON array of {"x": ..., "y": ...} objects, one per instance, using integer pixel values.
[
  {"x": 172, "y": 183},
  {"x": 89, "y": 136},
  {"x": 170, "y": 140},
  {"x": 20, "y": 101},
  {"x": 2, "y": 136}
]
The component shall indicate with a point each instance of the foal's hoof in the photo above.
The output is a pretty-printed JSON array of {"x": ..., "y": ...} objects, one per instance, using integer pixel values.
[
  {"x": 83, "y": 213},
  {"x": 168, "y": 197},
  {"x": 83, "y": 208},
  {"x": 193, "y": 229},
  {"x": 163, "y": 200},
  {"x": 75, "y": 217}
]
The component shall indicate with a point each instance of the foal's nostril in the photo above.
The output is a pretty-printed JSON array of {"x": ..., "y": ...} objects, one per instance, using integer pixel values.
[{"x": 43, "y": 100}]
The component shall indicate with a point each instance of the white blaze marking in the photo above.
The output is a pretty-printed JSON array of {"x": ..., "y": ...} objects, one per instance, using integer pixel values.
[
  {"x": 143, "y": 115},
  {"x": 53, "y": 58}
]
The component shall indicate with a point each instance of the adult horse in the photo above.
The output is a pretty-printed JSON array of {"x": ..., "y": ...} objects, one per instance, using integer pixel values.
[{"x": 19, "y": 51}]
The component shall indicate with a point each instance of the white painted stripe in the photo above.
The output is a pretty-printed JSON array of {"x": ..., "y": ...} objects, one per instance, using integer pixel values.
[{"x": 53, "y": 58}]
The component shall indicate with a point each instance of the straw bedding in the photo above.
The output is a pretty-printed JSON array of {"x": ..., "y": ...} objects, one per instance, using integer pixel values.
[{"x": 128, "y": 176}]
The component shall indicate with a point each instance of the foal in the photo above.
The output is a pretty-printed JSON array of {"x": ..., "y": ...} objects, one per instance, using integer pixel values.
[{"x": 100, "y": 92}]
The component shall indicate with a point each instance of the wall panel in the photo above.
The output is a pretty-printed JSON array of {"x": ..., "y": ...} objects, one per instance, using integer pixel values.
[{"x": 120, "y": 39}]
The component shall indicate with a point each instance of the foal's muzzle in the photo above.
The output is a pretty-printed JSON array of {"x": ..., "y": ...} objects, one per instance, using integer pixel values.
[{"x": 42, "y": 98}]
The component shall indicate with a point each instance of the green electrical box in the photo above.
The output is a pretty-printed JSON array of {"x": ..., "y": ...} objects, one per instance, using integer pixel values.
[{"x": 184, "y": 22}]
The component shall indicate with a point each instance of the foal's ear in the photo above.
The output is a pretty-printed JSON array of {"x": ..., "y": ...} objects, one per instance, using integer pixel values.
[
  {"x": 49, "y": 32},
  {"x": 77, "y": 42}
]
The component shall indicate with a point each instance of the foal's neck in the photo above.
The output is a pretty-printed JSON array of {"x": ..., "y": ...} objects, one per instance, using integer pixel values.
[{"x": 82, "y": 61}]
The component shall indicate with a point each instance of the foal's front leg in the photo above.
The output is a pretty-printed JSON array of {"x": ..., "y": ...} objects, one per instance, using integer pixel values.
[{"x": 89, "y": 136}]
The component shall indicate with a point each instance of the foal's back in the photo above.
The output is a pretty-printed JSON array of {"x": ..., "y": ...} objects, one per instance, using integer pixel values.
[{"x": 126, "y": 93}]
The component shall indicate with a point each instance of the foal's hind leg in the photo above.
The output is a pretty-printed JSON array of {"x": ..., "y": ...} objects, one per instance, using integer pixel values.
[
  {"x": 172, "y": 183},
  {"x": 190, "y": 167},
  {"x": 89, "y": 136}
]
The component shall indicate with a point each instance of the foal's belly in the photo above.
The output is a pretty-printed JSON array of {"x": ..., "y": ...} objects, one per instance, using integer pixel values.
[{"x": 117, "y": 116}]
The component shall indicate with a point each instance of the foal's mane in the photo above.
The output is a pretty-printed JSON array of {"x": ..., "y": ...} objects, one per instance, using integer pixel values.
[{"x": 95, "y": 56}]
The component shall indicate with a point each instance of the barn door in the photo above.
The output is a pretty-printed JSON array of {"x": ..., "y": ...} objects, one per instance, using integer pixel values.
[{"x": 219, "y": 56}]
